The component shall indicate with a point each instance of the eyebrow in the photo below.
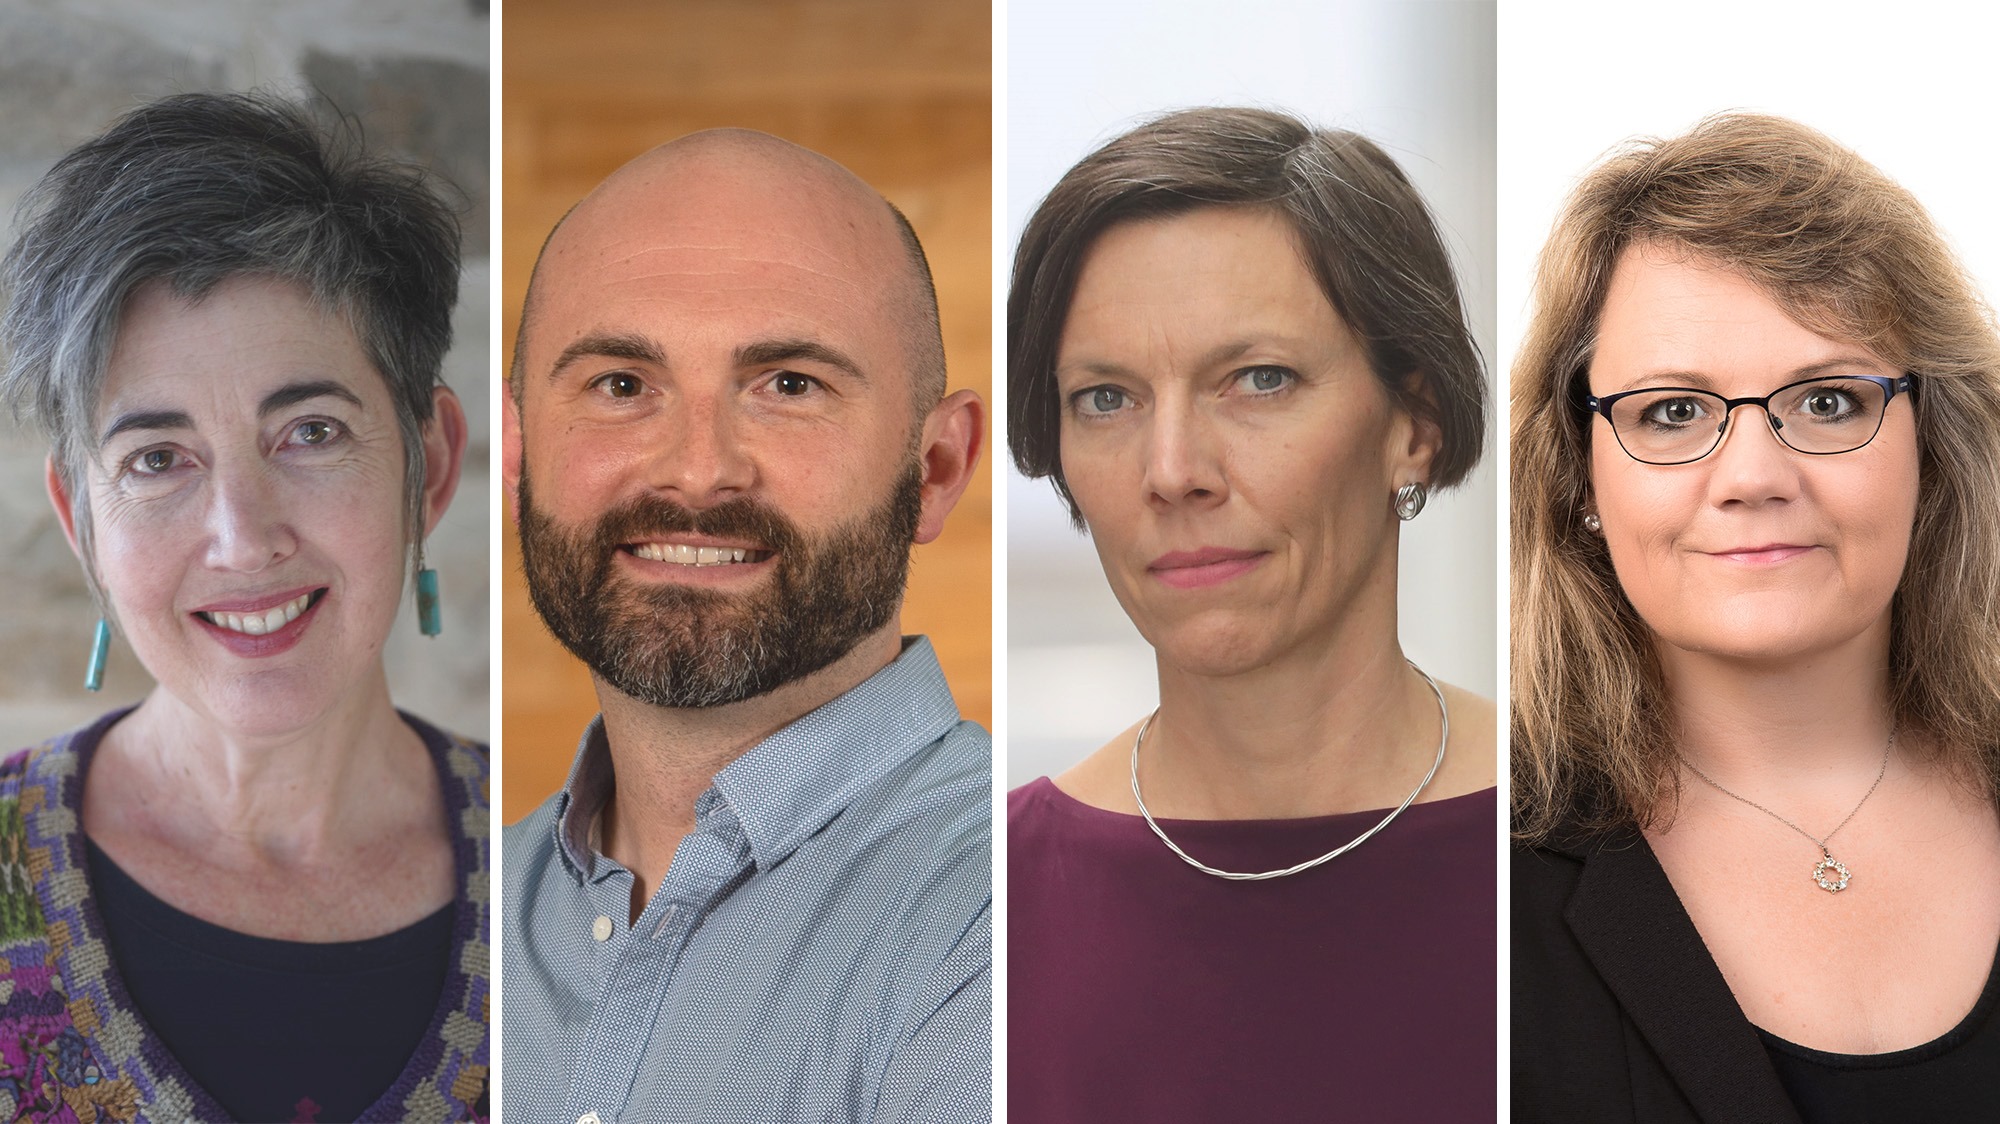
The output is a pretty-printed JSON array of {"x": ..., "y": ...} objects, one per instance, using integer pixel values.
[
  {"x": 1696, "y": 380},
  {"x": 635, "y": 349},
  {"x": 767, "y": 352},
  {"x": 639, "y": 349},
  {"x": 146, "y": 420},
  {"x": 291, "y": 394},
  {"x": 1214, "y": 357}
]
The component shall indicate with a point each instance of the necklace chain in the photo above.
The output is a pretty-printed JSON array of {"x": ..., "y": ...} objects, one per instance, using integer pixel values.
[
  {"x": 1444, "y": 717},
  {"x": 1828, "y": 864}
]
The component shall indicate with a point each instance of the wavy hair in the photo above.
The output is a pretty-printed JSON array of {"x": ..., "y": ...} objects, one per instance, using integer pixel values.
[{"x": 1848, "y": 254}]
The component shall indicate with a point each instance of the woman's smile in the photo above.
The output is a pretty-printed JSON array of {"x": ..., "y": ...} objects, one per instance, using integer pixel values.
[{"x": 232, "y": 417}]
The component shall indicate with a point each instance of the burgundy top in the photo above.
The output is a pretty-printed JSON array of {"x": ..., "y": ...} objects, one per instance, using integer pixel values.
[{"x": 1140, "y": 988}]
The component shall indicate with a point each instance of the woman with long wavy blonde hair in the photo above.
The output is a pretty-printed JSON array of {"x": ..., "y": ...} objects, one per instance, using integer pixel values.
[{"x": 1756, "y": 647}]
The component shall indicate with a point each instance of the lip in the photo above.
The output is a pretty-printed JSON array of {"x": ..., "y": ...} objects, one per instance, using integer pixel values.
[
  {"x": 1209, "y": 565},
  {"x": 703, "y": 560},
  {"x": 270, "y": 643},
  {"x": 1765, "y": 554}
]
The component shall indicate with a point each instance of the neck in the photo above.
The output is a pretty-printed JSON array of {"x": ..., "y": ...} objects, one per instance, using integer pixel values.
[
  {"x": 286, "y": 796},
  {"x": 1807, "y": 719},
  {"x": 666, "y": 757},
  {"x": 1343, "y": 725}
]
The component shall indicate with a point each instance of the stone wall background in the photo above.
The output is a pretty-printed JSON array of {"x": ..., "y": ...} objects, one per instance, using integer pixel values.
[{"x": 415, "y": 73}]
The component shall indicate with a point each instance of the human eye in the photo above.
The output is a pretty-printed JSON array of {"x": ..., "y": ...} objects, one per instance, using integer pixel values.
[
  {"x": 792, "y": 384},
  {"x": 315, "y": 433},
  {"x": 1672, "y": 411},
  {"x": 1265, "y": 379},
  {"x": 1830, "y": 402},
  {"x": 618, "y": 384},
  {"x": 151, "y": 463},
  {"x": 1099, "y": 401}
]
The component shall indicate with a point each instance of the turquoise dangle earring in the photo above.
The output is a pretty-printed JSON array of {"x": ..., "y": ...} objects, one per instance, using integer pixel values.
[
  {"x": 100, "y": 650},
  {"x": 430, "y": 612}
]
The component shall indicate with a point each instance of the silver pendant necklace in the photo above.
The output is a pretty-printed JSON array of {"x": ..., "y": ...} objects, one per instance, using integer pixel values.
[
  {"x": 1830, "y": 874},
  {"x": 1444, "y": 717}
]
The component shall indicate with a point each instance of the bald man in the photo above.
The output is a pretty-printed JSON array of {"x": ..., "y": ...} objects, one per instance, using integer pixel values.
[{"x": 763, "y": 893}]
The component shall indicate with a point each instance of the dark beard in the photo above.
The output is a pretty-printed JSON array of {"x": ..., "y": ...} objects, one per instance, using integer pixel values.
[{"x": 677, "y": 646}]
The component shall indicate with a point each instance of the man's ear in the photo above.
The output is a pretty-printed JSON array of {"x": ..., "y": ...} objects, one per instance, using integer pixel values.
[
  {"x": 510, "y": 451},
  {"x": 59, "y": 498},
  {"x": 954, "y": 435}
]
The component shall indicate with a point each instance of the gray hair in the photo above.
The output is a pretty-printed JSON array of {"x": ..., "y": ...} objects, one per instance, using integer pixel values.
[
  {"x": 1361, "y": 228},
  {"x": 191, "y": 191}
]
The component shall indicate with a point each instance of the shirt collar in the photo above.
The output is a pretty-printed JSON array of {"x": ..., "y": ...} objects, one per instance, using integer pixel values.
[{"x": 791, "y": 784}]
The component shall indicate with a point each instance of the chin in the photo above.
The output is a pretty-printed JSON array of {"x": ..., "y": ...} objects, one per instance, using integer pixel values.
[
  {"x": 263, "y": 704},
  {"x": 1213, "y": 644},
  {"x": 1767, "y": 636}
]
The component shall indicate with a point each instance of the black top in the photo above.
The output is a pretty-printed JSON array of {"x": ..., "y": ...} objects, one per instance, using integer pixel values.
[
  {"x": 1619, "y": 1013},
  {"x": 1956, "y": 1076},
  {"x": 274, "y": 1030}
]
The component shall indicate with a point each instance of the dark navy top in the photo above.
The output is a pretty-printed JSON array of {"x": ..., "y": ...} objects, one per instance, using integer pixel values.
[{"x": 274, "y": 1030}]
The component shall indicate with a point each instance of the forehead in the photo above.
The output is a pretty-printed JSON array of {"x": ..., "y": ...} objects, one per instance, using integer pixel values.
[
  {"x": 704, "y": 263},
  {"x": 1668, "y": 314},
  {"x": 236, "y": 341},
  {"x": 1199, "y": 276}
]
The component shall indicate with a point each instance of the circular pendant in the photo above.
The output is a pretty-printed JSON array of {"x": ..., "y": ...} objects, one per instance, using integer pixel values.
[{"x": 1831, "y": 875}]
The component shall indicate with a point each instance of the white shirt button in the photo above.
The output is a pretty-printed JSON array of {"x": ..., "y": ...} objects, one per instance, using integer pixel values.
[
  {"x": 600, "y": 930},
  {"x": 591, "y": 1117}
]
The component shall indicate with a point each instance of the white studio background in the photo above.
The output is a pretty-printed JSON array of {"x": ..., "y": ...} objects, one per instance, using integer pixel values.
[
  {"x": 1417, "y": 76},
  {"x": 1909, "y": 86}
]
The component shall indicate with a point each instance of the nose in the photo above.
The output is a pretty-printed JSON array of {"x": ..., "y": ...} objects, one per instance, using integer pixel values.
[
  {"x": 701, "y": 459},
  {"x": 249, "y": 522},
  {"x": 1751, "y": 464},
  {"x": 1183, "y": 463}
]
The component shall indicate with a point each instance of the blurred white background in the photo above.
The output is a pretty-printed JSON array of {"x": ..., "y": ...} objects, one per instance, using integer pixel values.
[
  {"x": 1909, "y": 86},
  {"x": 1418, "y": 78}
]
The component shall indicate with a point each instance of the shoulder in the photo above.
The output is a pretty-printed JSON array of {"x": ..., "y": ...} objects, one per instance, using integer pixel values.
[
  {"x": 527, "y": 846},
  {"x": 466, "y": 757},
  {"x": 45, "y": 766},
  {"x": 944, "y": 790}
]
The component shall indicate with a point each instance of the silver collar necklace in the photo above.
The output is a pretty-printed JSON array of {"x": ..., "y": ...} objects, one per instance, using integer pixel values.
[
  {"x": 1444, "y": 717},
  {"x": 1830, "y": 874}
]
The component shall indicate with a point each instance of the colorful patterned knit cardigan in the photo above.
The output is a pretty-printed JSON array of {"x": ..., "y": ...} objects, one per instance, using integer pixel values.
[{"x": 72, "y": 1046}]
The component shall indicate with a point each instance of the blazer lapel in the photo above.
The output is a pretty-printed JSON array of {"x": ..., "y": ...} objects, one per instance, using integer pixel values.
[{"x": 1631, "y": 924}]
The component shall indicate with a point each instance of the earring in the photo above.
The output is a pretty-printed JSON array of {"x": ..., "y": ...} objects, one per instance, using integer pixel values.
[
  {"x": 430, "y": 616},
  {"x": 1592, "y": 523},
  {"x": 1410, "y": 500},
  {"x": 100, "y": 650}
]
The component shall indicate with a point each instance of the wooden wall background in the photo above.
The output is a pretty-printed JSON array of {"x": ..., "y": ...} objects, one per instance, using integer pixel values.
[{"x": 897, "y": 90}]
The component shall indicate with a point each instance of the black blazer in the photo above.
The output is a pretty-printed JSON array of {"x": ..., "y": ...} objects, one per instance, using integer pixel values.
[{"x": 1619, "y": 1013}]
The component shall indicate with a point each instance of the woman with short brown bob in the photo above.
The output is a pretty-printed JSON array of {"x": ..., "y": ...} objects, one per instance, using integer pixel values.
[
  {"x": 1236, "y": 347},
  {"x": 1756, "y": 637}
]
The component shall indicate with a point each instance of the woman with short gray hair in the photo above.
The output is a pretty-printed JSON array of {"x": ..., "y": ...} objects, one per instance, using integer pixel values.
[{"x": 259, "y": 893}]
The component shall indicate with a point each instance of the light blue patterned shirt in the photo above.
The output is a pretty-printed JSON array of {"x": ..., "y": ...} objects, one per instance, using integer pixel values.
[{"x": 819, "y": 950}]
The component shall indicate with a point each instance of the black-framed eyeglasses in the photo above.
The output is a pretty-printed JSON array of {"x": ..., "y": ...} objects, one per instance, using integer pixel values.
[{"x": 1820, "y": 416}]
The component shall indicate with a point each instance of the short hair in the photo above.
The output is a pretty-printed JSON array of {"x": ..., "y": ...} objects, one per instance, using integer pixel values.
[
  {"x": 924, "y": 337},
  {"x": 193, "y": 190},
  {"x": 1848, "y": 254},
  {"x": 1361, "y": 228}
]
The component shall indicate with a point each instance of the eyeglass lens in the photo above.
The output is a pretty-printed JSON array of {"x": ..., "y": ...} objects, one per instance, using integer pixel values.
[{"x": 1669, "y": 426}]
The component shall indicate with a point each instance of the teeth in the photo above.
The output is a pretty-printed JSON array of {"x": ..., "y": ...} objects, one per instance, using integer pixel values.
[
  {"x": 257, "y": 624},
  {"x": 690, "y": 555}
]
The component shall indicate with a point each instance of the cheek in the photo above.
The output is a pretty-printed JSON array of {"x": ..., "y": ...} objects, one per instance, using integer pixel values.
[{"x": 1643, "y": 514}]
